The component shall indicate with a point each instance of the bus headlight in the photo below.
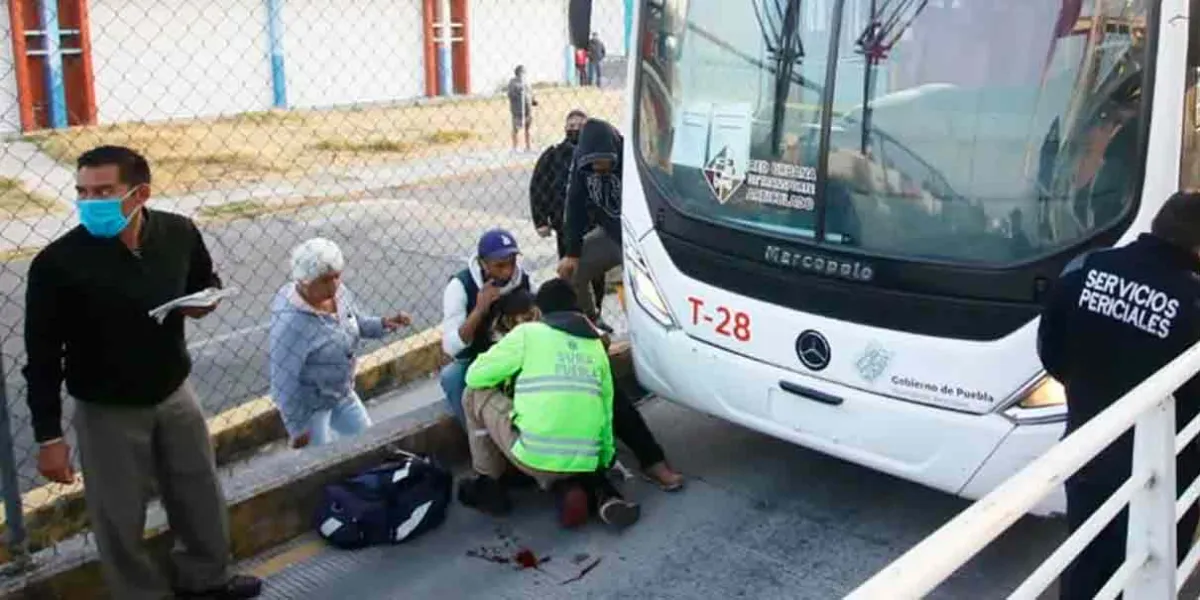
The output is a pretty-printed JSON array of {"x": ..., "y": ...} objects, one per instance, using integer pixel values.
[
  {"x": 644, "y": 289},
  {"x": 1048, "y": 392},
  {"x": 1043, "y": 402}
]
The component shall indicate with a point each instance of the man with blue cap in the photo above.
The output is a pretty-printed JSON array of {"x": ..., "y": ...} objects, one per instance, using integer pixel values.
[{"x": 468, "y": 307}]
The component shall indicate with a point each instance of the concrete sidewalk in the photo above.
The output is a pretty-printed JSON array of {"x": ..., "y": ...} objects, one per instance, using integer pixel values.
[{"x": 759, "y": 518}]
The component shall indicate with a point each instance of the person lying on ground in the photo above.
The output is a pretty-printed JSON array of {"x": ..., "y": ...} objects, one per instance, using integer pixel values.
[
  {"x": 316, "y": 327},
  {"x": 558, "y": 426}
]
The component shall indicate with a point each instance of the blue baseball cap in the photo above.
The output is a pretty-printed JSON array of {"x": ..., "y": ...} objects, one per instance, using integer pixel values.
[{"x": 497, "y": 244}]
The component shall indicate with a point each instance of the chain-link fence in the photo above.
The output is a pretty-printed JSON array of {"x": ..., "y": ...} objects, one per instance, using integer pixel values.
[{"x": 384, "y": 125}]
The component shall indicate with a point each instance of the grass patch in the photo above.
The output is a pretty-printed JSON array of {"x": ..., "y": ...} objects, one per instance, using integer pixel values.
[
  {"x": 369, "y": 146},
  {"x": 269, "y": 117},
  {"x": 232, "y": 210},
  {"x": 253, "y": 209},
  {"x": 16, "y": 201},
  {"x": 449, "y": 136},
  {"x": 226, "y": 159},
  {"x": 197, "y": 154}
]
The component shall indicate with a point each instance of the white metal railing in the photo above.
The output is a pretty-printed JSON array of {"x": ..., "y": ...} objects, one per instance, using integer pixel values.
[{"x": 1149, "y": 570}]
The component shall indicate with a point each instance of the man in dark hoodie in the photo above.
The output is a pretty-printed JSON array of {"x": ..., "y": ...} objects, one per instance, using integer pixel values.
[
  {"x": 548, "y": 191},
  {"x": 594, "y": 186}
]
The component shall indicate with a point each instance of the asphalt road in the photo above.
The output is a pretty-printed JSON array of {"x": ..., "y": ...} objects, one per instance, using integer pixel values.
[
  {"x": 402, "y": 246},
  {"x": 759, "y": 518}
]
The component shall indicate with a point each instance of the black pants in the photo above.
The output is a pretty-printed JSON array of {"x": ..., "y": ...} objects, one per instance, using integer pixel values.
[
  {"x": 1097, "y": 563},
  {"x": 631, "y": 429},
  {"x": 598, "y": 285}
]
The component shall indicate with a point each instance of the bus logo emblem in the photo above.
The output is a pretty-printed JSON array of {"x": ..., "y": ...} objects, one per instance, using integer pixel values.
[
  {"x": 813, "y": 350},
  {"x": 722, "y": 175}
]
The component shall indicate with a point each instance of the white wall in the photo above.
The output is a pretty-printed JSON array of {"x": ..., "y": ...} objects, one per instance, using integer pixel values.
[
  {"x": 608, "y": 19},
  {"x": 10, "y": 118},
  {"x": 159, "y": 59},
  {"x": 339, "y": 53},
  {"x": 505, "y": 33}
]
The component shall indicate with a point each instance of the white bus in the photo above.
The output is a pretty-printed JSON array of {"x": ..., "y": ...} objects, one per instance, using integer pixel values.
[{"x": 841, "y": 216}]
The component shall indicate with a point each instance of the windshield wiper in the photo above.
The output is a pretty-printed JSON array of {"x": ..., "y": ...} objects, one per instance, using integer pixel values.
[
  {"x": 784, "y": 46},
  {"x": 875, "y": 42}
]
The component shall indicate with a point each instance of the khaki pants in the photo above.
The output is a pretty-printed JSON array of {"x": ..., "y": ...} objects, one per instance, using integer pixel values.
[
  {"x": 492, "y": 435},
  {"x": 124, "y": 450}
]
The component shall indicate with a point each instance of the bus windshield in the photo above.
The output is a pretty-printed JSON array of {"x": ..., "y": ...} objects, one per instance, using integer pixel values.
[{"x": 978, "y": 132}]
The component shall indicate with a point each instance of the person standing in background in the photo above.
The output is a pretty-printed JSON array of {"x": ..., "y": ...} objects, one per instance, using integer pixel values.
[
  {"x": 581, "y": 66},
  {"x": 520, "y": 105},
  {"x": 596, "y": 54}
]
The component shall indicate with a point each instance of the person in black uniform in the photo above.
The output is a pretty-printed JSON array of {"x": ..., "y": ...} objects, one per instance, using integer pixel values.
[
  {"x": 548, "y": 192},
  {"x": 1115, "y": 317}
]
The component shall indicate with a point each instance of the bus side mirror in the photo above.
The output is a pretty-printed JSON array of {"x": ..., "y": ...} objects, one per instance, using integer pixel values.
[{"x": 579, "y": 19}]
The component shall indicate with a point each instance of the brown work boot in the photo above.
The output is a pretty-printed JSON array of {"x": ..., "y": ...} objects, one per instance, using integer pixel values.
[
  {"x": 664, "y": 477},
  {"x": 572, "y": 502}
]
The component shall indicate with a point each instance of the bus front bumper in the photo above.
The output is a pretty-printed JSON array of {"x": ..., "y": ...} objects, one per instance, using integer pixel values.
[{"x": 963, "y": 454}]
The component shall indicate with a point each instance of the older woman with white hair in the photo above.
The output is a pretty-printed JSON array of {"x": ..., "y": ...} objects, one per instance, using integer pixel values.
[{"x": 315, "y": 329}]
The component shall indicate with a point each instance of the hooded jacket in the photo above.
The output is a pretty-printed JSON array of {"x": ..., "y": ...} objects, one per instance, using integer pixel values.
[
  {"x": 313, "y": 354},
  {"x": 548, "y": 185},
  {"x": 457, "y": 304},
  {"x": 562, "y": 407},
  {"x": 587, "y": 189}
]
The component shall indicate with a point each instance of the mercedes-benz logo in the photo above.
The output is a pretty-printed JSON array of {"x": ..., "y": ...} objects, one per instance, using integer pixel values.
[{"x": 813, "y": 350}]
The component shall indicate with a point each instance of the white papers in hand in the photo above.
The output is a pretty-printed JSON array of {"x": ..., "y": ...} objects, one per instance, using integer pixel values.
[{"x": 201, "y": 299}]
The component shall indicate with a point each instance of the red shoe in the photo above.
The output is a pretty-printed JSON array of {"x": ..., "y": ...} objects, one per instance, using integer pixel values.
[{"x": 572, "y": 504}]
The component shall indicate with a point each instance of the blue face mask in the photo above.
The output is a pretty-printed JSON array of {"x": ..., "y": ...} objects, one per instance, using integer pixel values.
[{"x": 102, "y": 217}]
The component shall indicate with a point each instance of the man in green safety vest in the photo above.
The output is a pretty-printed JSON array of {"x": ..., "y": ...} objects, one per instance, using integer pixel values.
[{"x": 557, "y": 428}]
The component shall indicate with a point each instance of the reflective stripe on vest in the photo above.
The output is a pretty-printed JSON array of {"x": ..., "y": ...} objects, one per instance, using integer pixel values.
[
  {"x": 559, "y": 383},
  {"x": 560, "y": 446}
]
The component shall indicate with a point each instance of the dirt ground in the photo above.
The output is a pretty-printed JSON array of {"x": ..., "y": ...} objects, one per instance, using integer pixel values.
[
  {"x": 15, "y": 201},
  {"x": 194, "y": 155}
]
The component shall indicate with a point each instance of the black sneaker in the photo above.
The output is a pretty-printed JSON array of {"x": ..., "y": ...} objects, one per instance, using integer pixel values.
[
  {"x": 619, "y": 513},
  {"x": 239, "y": 587},
  {"x": 602, "y": 326},
  {"x": 515, "y": 479},
  {"x": 485, "y": 495}
]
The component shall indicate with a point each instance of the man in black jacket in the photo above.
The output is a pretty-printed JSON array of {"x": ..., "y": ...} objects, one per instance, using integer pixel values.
[
  {"x": 137, "y": 421},
  {"x": 596, "y": 55},
  {"x": 593, "y": 188},
  {"x": 548, "y": 191},
  {"x": 1116, "y": 317}
]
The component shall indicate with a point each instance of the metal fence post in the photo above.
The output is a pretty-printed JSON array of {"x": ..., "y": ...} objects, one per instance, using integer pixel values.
[
  {"x": 14, "y": 516},
  {"x": 1152, "y": 509}
]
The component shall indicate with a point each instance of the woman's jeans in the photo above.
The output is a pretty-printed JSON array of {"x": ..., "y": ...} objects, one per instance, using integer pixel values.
[{"x": 347, "y": 419}]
